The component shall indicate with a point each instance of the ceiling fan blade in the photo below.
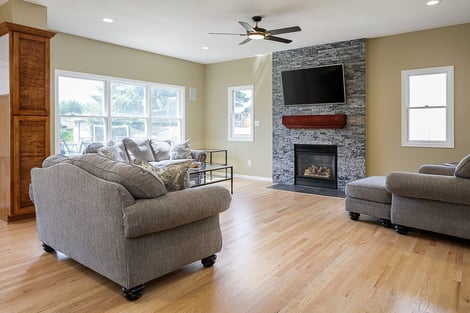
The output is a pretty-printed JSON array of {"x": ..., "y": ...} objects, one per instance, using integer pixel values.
[
  {"x": 244, "y": 41},
  {"x": 247, "y": 26},
  {"x": 227, "y": 34},
  {"x": 284, "y": 30},
  {"x": 278, "y": 39}
]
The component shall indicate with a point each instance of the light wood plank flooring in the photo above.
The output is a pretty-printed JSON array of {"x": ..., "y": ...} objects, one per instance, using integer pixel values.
[{"x": 283, "y": 252}]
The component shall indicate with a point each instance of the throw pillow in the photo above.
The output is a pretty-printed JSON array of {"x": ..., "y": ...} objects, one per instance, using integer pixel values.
[
  {"x": 463, "y": 168},
  {"x": 160, "y": 149},
  {"x": 138, "y": 150},
  {"x": 93, "y": 147},
  {"x": 139, "y": 182},
  {"x": 180, "y": 151},
  {"x": 175, "y": 176},
  {"x": 114, "y": 152}
]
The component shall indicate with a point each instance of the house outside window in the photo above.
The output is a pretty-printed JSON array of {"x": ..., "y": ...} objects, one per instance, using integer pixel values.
[
  {"x": 93, "y": 108},
  {"x": 428, "y": 107},
  {"x": 240, "y": 113}
]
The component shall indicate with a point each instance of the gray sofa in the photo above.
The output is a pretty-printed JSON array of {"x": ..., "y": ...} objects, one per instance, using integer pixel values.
[
  {"x": 437, "y": 199},
  {"x": 120, "y": 221}
]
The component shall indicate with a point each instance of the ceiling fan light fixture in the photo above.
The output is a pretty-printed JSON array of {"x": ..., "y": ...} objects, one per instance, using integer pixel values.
[{"x": 256, "y": 36}]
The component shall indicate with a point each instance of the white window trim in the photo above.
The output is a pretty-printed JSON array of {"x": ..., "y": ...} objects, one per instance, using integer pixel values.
[
  {"x": 107, "y": 97},
  {"x": 230, "y": 90},
  {"x": 405, "y": 92}
]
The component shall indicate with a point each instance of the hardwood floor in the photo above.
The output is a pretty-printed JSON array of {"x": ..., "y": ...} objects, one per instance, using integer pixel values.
[{"x": 283, "y": 252}]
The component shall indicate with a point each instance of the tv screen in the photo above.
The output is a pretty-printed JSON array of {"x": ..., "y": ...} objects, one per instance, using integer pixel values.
[{"x": 316, "y": 85}]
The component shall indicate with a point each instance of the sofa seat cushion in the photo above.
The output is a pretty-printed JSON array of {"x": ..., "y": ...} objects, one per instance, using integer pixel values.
[
  {"x": 174, "y": 209},
  {"x": 139, "y": 182},
  {"x": 371, "y": 188}
]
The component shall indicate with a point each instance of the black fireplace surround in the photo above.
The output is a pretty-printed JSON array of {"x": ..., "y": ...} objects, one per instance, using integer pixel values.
[{"x": 316, "y": 165}]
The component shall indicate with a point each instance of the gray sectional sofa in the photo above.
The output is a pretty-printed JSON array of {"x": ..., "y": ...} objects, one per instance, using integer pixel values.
[
  {"x": 436, "y": 198},
  {"x": 121, "y": 221}
]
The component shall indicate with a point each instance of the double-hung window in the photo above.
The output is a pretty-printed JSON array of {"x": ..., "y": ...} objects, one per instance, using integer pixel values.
[
  {"x": 428, "y": 107},
  {"x": 93, "y": 108}
]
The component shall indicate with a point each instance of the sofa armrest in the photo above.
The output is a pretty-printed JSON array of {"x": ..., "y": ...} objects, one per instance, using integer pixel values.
[
  {"x": 427, "y": 186},
  {"x": 199, "y": 155},
  {"x": 436, "y": 169},
  {"x": 174, "y": 209}
]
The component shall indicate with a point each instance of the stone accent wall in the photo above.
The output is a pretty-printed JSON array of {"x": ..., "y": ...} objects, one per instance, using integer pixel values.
[{"x": 351, "y": 140}]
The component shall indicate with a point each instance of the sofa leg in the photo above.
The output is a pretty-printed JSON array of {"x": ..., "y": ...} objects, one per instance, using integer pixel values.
[
  {"x": 47, "y": 248},
  {"x": 385, "y": 223},
  {"x": 209, "y": 261},
  {"x": 133, "y": 294},
  {"x": 354, "y": 216},
  {"x": 402, "y": 230}
]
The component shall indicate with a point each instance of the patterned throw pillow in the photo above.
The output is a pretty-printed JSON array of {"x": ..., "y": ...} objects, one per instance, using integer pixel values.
[
  {"x": 174, "y": 175},
  {"x": 180, "y": 151}
]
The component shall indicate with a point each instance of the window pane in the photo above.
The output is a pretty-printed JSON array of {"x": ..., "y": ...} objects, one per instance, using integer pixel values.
[
  {"x": 128, "y": 127},
  {"x": 127, "y": 100},
  {"x": 76, "y": 132},
  {"x": 428, "y": 90},
  {"x": 164, "y": 102},
  {"x": 166, "y": 129},
  {"x": 427, "y": 124},
  {"x": 241, "y": 115},
  {"x": 80, "y": 96}
]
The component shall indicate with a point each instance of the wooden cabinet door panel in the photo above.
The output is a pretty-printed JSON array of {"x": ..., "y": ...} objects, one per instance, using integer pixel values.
[
  {"x": 31, "y": 145},
  {"x": 30, "y": 83}
]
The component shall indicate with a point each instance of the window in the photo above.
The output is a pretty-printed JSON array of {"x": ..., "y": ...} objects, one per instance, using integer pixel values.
[
  {"x": 240, "y": 113},
  {"x": 97, "y": 108},
  {"x": 428, "y": 107}
]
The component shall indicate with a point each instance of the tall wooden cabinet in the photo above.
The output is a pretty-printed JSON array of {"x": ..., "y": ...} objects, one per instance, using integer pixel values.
[{"x": 24, "y": 114}]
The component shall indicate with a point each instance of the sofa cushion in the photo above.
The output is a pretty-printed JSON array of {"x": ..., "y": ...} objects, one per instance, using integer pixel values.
[
  {"x": 463, "y": 168},
  {"x": 180, "y": 150},
  {"x": 174, "y": 174},
  {"x": 160, "y": 149},
  {"x": 93, "y": 147},
  {"x": 55, "y": 159},
  {"x": 138, "y": 149},
  {"x": 139, "y": 182}
]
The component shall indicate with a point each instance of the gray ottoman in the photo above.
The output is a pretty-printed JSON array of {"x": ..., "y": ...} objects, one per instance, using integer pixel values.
[{"x": 369, "y": 196}]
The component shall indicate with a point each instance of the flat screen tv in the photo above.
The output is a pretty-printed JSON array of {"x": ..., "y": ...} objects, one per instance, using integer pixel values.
[{"x": 316, "y": 85}]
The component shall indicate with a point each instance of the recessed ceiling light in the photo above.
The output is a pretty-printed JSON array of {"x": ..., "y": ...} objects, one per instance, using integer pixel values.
[
  {"x": 433, "y": 2},
  {"x": 205, "y": 48},
  {"x": 108, "y": 20}
]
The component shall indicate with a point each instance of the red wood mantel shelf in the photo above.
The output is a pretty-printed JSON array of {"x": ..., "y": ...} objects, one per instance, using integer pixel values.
[{"x": 314, "y": 121}]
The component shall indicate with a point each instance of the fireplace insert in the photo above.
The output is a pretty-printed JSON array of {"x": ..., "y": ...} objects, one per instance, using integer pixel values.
[{"x": 316, "y": 165}]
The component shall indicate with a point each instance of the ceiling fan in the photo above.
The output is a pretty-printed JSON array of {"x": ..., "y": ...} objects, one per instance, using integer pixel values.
[{"x": 256, "y": 32}]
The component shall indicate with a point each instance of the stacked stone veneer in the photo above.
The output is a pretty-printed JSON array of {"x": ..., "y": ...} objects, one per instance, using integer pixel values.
[{"x": 351, "y": 140}]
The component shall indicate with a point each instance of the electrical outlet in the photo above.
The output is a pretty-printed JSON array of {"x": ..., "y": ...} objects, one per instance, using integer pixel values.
[{"x": 249, "y": 162}]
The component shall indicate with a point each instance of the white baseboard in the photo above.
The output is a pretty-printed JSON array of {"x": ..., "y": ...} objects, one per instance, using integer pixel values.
[{"x": 269, "y": 179}]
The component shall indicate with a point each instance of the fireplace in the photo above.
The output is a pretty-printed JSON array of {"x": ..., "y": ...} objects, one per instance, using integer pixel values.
[{"x": 315, "y": 165}]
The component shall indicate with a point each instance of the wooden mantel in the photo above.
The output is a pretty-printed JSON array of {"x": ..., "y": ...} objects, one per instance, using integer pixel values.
[{"x": 314, "y": 121}]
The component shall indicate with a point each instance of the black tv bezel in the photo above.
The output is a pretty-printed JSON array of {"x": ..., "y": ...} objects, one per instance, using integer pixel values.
[{"x": 341, "y": 65}]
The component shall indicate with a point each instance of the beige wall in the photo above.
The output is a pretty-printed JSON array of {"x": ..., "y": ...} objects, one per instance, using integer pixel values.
[
  {"x": 256, "y": 71},
  {"x": 89, "y": 56},
  {"x": 24, "y": 13},
  {"x": 386, "y": 58}
]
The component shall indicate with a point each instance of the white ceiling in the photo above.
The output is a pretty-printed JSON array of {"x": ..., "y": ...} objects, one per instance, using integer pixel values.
[{"x": 179, "y": 28}]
